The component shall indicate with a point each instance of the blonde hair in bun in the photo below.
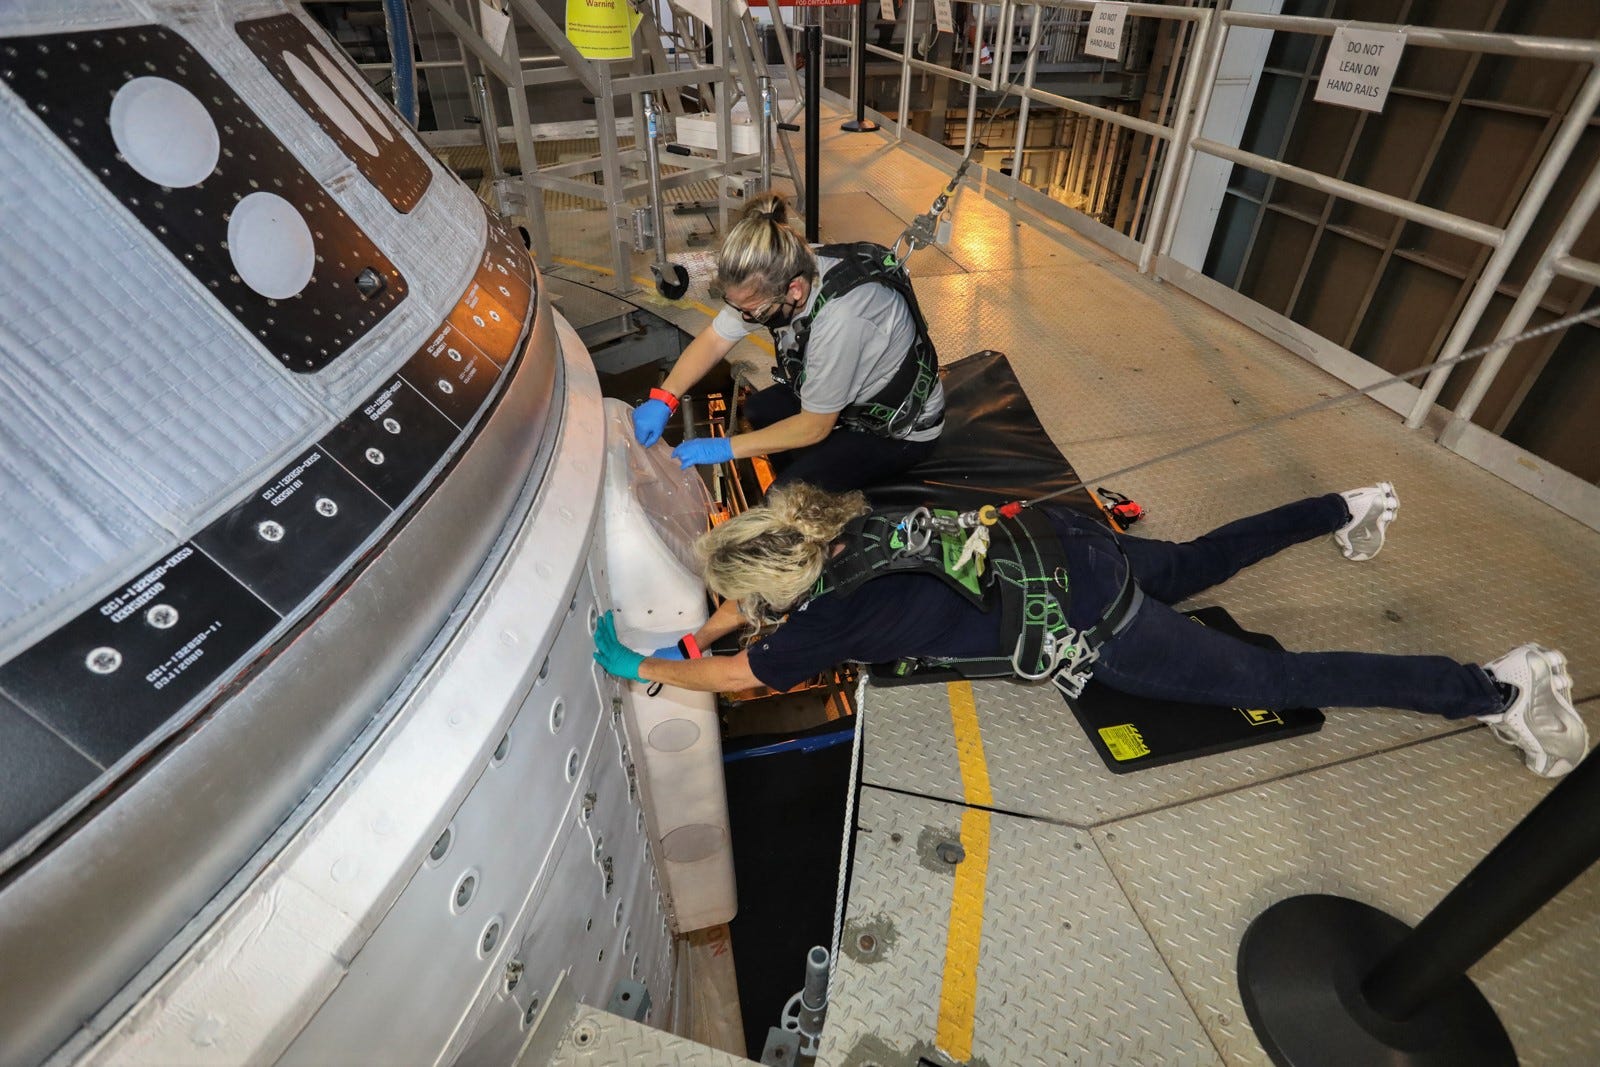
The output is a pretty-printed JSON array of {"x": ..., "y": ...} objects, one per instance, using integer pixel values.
[{"x": 762, "y": 250}]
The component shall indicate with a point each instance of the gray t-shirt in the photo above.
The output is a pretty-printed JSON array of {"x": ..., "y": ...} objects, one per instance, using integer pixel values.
[{"x": 857, "y": 343}]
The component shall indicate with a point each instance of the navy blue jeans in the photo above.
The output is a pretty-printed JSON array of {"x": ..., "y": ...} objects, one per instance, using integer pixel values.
[
  {"x": 845, "y": 459},
  {"x": 1165, "y": 655}
]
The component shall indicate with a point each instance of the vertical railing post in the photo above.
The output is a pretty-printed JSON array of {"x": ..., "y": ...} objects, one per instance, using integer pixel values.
[
  {"x": 858, "y": 94},
  {"x": 813, "y": 133}
]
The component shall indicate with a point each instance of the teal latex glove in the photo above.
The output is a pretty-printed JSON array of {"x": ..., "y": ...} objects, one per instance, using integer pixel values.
[
  {"x": 617, "y": 658},
  {"x": 703, "y": 450}
]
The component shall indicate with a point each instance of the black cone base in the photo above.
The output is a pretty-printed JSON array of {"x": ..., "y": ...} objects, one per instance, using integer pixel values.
[
  {"x": 1301, "y": 963},
  {"x": 859, "y": 126}
]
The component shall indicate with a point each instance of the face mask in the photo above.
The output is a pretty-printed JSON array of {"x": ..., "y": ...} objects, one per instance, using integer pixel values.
[{"x": 780, "y": 316}]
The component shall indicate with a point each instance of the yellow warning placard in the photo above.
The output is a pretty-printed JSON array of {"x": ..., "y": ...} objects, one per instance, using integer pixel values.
[
  {"x": 1260, "y": 716},
  {"x": 1124, "y": 742},
  {"x": 601, "y": 29}
]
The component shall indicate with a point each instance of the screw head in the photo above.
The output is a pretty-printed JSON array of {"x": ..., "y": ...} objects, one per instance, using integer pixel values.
[
  {"x": 162, "y": 616},
  {"x": 326, "y": 507},
  {"x": 950, "y": 852},
  {"x": 103, "y": 660},
  {"x": 391, "y": 424},
  {"x": 445, "y": 387},
  {"x": 374, "y": 457},
  {"x": 270, "y": 531}
]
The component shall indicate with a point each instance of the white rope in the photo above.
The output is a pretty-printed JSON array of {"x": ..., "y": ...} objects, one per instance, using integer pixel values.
[{"x": 849, "y": 826}]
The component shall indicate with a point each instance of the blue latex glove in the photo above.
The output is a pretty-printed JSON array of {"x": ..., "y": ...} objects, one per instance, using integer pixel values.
[
  {"x": 703, "y": 450},
  {"x": 649, "y": 419},
  {"x": 669, "y": 652},
  {"x": 616, "y": 657}
]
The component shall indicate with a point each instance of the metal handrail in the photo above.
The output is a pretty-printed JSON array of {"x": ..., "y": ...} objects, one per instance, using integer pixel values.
[
  {"x": 1027, "y": 92},
  {"x": 1505, "y": 241}
]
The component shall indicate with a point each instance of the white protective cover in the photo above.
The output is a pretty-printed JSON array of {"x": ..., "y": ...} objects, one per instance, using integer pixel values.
[{"x": 653, "y": 513}]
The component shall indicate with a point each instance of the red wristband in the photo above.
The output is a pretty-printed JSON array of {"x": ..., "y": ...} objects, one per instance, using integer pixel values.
[
  {"x": 666, "y": 398},
  {"x": 689, "y": 648}
]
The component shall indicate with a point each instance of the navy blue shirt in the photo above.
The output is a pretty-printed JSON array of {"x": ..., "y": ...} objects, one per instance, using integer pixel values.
[
  {"x": 884, "y": 619},
  {"x": 900, "y": 615}
]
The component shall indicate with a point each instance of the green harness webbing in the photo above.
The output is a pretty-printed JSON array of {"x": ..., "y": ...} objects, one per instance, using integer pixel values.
[{"x": 900, "y": 407}]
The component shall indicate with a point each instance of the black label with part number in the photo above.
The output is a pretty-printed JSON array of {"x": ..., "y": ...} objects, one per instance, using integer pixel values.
[
  {"x": 114, "y": 675},
  {"x": 451, "y": 372},
  {"x": 392, "y": 441},
  {"x": 295, "y": 531}
]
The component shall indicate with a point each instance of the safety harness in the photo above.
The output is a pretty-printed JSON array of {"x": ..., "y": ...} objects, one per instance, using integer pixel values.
[
  {"x": 900, "y": 407},
  {"x": 1025, "y": 580}
]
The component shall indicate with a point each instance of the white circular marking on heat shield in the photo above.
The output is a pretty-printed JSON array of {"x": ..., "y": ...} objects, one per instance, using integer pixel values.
[
  {"x": 330, "y": 103},
  {"x": 271, "y": 246},
  {"x": 352, "y": 96},
  {"x": 164, "y": 132}
]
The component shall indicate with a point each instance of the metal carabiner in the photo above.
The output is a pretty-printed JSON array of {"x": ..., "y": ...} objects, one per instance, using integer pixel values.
[{"x": 917, "y": 526}]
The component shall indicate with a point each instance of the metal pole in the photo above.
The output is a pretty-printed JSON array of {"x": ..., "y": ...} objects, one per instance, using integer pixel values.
[
  {"x": 1553, "y": 844},
  {"x": 766, "y": 132},
  {"x": 1494, "y": 271},
  {"x": 1184, "y": 146},
  {"x": 905, "y": 69},
  {"x": 860, "y": 124},
  {"x": 972, "y": 87},
  {"x": 1027, "y": 83},
  {"x": 813, "y": 133},
  {"x": 1533, "y": 291},
  {"x": 1193, "y": 64}
]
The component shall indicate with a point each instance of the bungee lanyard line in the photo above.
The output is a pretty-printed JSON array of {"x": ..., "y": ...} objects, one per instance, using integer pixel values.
[
  {"x": 924, "y": 229},
  {"x": 1016, "y": 506}
]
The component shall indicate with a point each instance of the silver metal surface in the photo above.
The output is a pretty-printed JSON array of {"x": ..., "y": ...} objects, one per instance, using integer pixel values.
[
  {"x": 158, "y": 854},
  {"x": 1121, "y": 367},
  {"x": 1065, "y": 974},
  {"x": 596, "y": 1038},
  {"x": 1395, "y": 831},
  {"x": 1041, "y": 764}
]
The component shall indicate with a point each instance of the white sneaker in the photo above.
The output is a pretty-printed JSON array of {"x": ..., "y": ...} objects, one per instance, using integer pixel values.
[
  {"x": 1540, "y": 719},
  {"x": 1371, "y": 511}
]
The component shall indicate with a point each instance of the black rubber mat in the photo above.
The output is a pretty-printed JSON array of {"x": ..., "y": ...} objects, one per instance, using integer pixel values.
[{"x": 1131, "y": 733}]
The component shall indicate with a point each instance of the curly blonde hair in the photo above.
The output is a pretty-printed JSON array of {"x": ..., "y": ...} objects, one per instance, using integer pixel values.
[
  {"x": 771, "y": 556},
  {"x": 762, "y": 250}
]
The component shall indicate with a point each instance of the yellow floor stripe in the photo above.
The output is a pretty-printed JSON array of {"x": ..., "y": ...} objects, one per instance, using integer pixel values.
[{"x": 958, "y": 993}]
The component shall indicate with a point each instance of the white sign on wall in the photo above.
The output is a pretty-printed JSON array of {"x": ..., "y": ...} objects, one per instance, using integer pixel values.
[
  {"x": 495, "y": 23},
  {"x": 1105, "y": 31},
  {"x": 886, "y": 10},
  {"x": 942, "y": 18},
  {"x": 1360, "y": 67}
]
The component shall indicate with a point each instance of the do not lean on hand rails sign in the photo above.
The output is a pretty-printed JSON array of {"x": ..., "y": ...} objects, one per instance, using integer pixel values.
[
  {"x": 942, "y": 19},
  {"x": 1360, "y": 67},
  {"x": 1105, "y": 31}
]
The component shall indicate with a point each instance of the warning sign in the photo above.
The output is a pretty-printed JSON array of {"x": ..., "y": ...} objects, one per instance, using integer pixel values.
[
  {"x": 1124, "y": 742},
  {"x": 601, "y": 29},
  {"x": 1105, "y": 31},
  {"x": 1360, "y": 67},
  {"x": 943, "y": 18}
]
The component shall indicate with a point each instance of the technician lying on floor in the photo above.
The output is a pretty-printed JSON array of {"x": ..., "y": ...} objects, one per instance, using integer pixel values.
[
  {"x": 839, "y": 584},
  {"x": 859, "y": 398}
]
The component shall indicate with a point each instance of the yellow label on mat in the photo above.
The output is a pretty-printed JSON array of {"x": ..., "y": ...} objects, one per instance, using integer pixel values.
[
  {"x": 601, "y": 29},
  {"x": 1124, "y": 742}
]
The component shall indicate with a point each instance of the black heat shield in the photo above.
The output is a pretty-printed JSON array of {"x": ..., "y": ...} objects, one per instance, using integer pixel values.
[{"x": 992, "y": 450}]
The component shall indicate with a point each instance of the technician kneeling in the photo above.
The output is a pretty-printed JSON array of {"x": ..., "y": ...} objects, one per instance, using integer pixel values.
[
  {"x": 821, "y": 581},
  {"x": 858, "y": 398}
]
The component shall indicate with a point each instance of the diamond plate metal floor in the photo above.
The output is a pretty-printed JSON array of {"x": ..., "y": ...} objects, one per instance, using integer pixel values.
[{"x": 1386, "y": 807}]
